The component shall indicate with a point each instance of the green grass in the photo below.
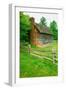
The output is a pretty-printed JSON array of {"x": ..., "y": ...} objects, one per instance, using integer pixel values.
[
  {"x": 47, "y": 49},
  {"x": 32, "y": 66}
]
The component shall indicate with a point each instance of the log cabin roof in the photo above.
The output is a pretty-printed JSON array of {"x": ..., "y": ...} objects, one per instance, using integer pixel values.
[{"x": 43, "y": 29}]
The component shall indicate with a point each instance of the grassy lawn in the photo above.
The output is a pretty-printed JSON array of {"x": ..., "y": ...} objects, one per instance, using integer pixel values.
[{"x": 33, "y": 66}]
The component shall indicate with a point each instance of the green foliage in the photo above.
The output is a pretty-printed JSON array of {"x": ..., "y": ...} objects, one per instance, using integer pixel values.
[
  {"x": 54, "y": 29},
  {"x": 25, "y": 27},
  {"x": 43, "y": 22}
]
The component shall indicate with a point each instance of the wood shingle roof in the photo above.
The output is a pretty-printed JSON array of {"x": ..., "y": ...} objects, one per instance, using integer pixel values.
[{"x": 42, "y": 29}]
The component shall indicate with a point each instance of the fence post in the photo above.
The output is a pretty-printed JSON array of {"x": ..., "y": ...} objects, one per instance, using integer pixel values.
[
  {"x": 54, "y": 55},
  {"x": 29, "y": 48}
]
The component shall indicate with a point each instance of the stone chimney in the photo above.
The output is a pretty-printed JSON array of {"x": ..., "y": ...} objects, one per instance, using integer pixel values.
[
  {"x": 32, "y": 32},
  {"x": 32, "y": 20}
]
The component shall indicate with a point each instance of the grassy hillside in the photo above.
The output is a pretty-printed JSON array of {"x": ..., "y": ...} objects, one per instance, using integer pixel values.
[{"x": 36, "y": 63}]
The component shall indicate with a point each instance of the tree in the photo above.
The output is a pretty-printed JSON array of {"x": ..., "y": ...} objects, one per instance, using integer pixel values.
[
  {"x": 43, "y": 22},
  {"x": 25, "y": 27},
  {"x": 54, "y": 29}
]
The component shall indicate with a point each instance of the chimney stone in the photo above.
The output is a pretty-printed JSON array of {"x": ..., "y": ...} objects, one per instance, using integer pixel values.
[{"x": 32, "y": 20}]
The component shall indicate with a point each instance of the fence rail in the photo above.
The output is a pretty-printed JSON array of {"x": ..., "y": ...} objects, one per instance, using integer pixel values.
[{"x": 41, "y": 53}]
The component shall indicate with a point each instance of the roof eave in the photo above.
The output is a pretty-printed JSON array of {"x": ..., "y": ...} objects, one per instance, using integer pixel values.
[{"x": 46, "y": 33}]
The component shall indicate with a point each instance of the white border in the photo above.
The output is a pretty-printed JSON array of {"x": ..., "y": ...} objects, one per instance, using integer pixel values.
[{"x": 15, "y": 46}]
